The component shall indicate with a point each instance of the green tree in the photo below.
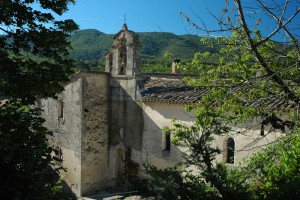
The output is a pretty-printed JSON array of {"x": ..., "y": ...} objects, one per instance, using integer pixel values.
[
  {"x": 210, "y": 180},
  {"x": 28, "y": 34},
  {"x": 254, "y": 70},
  {"x": 274, "y": 172},
  {"x": 34, "y": 61},
  {"x": 256, "y": 77},
  {"x": 25, "y": 155}
]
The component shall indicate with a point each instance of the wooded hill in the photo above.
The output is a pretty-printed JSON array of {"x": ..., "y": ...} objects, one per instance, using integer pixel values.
[
  {"x": 89, "y": 47},
  {"x": 91, "y": 44}
]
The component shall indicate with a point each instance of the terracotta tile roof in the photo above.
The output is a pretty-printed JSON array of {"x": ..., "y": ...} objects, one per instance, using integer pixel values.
[
  {"x": 170, "y": 90},
  {"x": 274, "y": 104}
]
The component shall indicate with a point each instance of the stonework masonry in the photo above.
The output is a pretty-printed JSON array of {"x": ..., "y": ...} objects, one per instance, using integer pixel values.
[
  {"x": 82, "y": 132},
  {"x": 100, "y": 115},
  {"x": 95, "y": 131},
  {"x": 67, "y": 130}
]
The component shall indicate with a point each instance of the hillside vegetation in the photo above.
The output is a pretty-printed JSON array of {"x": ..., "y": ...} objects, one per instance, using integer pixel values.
[{"x": 89, "y": 47}]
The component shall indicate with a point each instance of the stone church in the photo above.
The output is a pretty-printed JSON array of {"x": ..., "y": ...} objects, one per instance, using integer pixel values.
[{"x": 100, "y": 115}]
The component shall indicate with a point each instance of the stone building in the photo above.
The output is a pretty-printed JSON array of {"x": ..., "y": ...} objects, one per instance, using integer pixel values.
[{"x": 101, "y": 115}]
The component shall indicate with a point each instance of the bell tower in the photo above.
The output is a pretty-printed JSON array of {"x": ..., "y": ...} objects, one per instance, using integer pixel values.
[
  {"x": 123, "y": 63},
  {"x": 124, "y": 58}
]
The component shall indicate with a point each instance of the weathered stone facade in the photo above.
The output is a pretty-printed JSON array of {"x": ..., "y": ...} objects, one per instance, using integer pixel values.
[
  {"x": 98, "y": 117},
  {"x": 101, "y": 115},
  {"x": 81, "y": 132}
]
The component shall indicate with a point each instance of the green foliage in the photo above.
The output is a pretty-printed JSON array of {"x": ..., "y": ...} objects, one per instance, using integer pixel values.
[
  {"x": 34, "y": 61},
  {"x": 245, "y": 82},
  {"x": 91, "y": 45},
  {"x": 210, "y": 181},
  {"x": 198, "y": 139},
  {"x": 237, "y": 82},
  {"x": 183, "y": 47},
  {"x": 55, "y": 191},
  {"x": 274, "y": 172},
  {"x": 170, "y": 184},
  {"x": 156, "y": 65},
  {"x": 90, "y": 65},
  {"x": 28, "y": 34},
  {"x": 25, "y": 155},
  {"x": 271, "y": 174}
]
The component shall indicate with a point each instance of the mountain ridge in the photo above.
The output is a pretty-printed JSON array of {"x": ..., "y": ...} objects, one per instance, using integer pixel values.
[{"x": 92, "y": 44}]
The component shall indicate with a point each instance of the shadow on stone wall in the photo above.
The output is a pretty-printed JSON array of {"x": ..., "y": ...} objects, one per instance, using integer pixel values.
[{"x": 132, "y": 126}]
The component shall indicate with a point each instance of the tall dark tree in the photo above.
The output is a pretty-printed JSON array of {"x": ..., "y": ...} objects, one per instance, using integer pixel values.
[
  {"x": 34, "y": 61},
  {"x": 33, "y": 48},
  {"x": 25, "y": 156}
]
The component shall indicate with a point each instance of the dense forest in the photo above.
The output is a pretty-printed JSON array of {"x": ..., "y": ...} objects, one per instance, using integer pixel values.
[{"x": 89, "y": 47}]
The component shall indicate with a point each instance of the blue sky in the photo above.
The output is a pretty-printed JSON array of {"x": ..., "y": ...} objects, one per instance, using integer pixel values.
[
  {"x": 141, "y": 15},
  {"x": 164, "y": 15}
]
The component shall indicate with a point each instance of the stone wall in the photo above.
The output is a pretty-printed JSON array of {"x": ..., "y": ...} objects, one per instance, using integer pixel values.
[
  {"x": 95, "y": 131},
  {"x": 98, "y": 117},
  {"x": 80, "y": 119},
  {"x": 158, "y": 116},
  {"x": 247, "y": 141},
  {"x": 126, "y": 123},
  {"x": 67, "y": 130},
  {"x": 127, "y": 118}
]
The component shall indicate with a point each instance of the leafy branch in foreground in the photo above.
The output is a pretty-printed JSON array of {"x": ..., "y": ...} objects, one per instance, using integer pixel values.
[
  {"x": 257, "y": 79},
  {"x": 30, "y": 33},
  {"x": 34, "y": 57},
  {"x": 255, "y": 76},
  {"x": 274, "y": 172},
  {"x": 212, "y": 180},
  {"x": 25, "y": 155}
]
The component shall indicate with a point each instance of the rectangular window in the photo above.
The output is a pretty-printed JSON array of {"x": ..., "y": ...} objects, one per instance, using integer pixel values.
[
  {"x": 60, "y": 109},
  {"x": 166, "y": 139},
  {"x": 229, "y": 149}
]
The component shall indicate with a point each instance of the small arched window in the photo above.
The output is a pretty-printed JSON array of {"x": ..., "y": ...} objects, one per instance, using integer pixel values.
[
  {"x": 229, "y": 149},
  {"x": 122, "y": 59}
]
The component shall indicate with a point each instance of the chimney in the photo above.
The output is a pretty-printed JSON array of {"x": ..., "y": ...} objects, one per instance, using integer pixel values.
[{"x": 175, "y": 63}]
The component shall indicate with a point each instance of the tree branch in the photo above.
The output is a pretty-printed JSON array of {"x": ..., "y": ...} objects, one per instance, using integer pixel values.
[
  {"x": 290, "y": 94},
  {"x": 280, "y": 25}
]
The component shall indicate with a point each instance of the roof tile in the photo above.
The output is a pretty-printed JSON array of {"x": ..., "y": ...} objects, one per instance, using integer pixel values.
[
  {"x": 167, "y": 90},
  {"x": 173, "y": 90}
]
